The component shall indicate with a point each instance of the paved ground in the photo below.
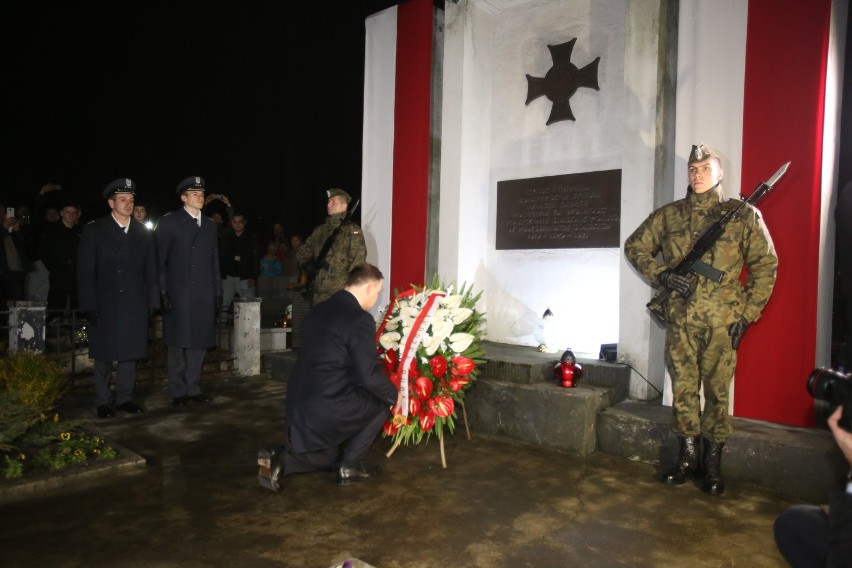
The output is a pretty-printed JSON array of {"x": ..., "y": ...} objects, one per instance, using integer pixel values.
[{"x": 498, "y": 504}]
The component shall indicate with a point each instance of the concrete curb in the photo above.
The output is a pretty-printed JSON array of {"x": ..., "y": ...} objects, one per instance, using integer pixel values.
[{"x": 19, "y": 489}]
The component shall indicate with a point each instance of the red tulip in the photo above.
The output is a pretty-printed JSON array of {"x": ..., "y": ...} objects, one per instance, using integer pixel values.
[
  {"x": 427, "y": 421},
  {"x": 463, "y": 366},
  {"x": 413, "y": 406},
  {"x": 442, "y": 406},
  {"x": 413, "y": 369},
  {"x": 390, "y": 428},
  {"x": 389, "y": 360},
  {"x": 458, "y": 383},
  {"x": 395, "y": 379},
  {"x": 438, "y": 364},
  {"x": 423, "y": 388}
]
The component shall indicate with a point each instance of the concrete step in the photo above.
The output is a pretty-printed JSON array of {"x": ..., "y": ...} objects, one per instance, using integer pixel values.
[{"x": 517, "y": 397}]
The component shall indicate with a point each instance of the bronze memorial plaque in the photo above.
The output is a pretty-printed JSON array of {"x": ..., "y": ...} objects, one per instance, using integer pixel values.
[{"x": 553, "y": 212}]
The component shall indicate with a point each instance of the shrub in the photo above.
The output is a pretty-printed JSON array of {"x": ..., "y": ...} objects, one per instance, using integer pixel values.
[{"x": 31, "y": 384}]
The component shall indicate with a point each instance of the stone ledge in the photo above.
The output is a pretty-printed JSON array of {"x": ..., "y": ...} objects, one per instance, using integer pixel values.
[
  {"x": 19, "y": 489},
  {"x": 543, "y": 414},
  {"x": 802, "y": 462}
]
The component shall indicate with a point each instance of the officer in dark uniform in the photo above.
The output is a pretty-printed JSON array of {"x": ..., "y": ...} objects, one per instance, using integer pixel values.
[
  {"x": 188, "y": 266},
  {"x": 117, "y": 288}
]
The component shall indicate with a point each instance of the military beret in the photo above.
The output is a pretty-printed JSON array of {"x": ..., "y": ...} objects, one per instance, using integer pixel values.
[
  {"x": 702, "y": 152},
  {"x": 120, "y": 185},
  {"x": 191, "y": 183},
  {"x": 335, "y": 192}
]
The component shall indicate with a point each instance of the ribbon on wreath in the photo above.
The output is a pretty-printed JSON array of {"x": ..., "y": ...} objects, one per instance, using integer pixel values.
[{"x": 412, "y": 339}]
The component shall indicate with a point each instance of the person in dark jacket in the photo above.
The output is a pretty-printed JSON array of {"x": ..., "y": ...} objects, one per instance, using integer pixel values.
[
  {"x": 117, "y": 287},
  {"x": 14, "y": 262},
  {"x": 338, "y": 397},
  {"x": 239, "y": 262},
  {"x": 188, "y": 266},
  {"x": 58, "y": 252},
  {"x": 807, "y": 535}
]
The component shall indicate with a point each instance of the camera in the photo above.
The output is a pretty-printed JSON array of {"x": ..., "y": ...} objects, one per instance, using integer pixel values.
[{"x": 835, "y": 388}]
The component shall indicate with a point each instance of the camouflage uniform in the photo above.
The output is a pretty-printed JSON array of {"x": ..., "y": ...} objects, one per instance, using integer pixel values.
[
  {"x": 698, "y": 344},
  {"x": 348, "y": 251}
]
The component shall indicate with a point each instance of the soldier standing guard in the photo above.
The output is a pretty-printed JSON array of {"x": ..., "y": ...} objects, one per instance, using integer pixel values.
[
  {"x": 348, "y": 248},
  {"x": 705, "y": 320}
]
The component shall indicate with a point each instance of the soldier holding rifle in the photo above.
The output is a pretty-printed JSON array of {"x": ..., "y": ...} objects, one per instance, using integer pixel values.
[
  {"x": 705, "y": 317},
  {"x": 333, "y": 249}
]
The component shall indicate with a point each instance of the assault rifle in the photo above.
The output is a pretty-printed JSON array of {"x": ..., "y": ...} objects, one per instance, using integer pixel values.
[
  {"x": 692, "y": 263},
  {"x": 312, "y": 267}
]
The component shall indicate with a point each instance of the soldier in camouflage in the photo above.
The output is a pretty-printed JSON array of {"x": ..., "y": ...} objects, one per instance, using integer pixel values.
[
  {"x": 348, "y": 251},
  {"x": 705, "y": 320}
]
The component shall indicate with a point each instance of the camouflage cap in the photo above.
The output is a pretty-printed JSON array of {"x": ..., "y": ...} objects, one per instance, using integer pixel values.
[
  {"x": 702, "y": 152},
  {"x": 195, "y": 183},
  {"x": 120, "y": 185},
  {"x": 335, "y": 192}
]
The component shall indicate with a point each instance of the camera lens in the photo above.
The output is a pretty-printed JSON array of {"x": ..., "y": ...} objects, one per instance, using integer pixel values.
[{"x": 829, "y": 385}]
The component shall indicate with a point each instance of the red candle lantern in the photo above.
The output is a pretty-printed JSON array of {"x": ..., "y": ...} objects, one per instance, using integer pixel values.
[{"x": 567, "y": 371}]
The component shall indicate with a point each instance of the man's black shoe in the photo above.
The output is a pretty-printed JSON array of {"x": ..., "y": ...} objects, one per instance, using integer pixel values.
[
  {"x": 130, "y": 408},
  {"x": 104, "y": 411},
  {"x": 347, "y": 475},
  {"x": 270, "y": 472},
  {"x": 199, "y": 398},
  {"x": 180, "y": 401}
]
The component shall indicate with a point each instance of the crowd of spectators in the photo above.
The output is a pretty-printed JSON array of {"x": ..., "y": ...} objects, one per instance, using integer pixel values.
[{"x": 38, "y": 252}]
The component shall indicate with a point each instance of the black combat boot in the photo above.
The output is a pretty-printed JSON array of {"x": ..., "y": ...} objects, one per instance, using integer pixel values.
[
  {"x": 687, "y": 462},
  {"x": 712, "y": 482}
]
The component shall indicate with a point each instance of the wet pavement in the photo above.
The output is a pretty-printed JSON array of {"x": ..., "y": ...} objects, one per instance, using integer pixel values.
[{"x": 497, "y": 504}]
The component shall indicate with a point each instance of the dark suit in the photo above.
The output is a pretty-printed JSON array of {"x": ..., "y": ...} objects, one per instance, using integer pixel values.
[
  {"x": 117, "y": 278},
  {"x": 338, "y": 397},
  {"x": 808, "y": 536},
  {"x": 58, "y": 252},
  {"x": 188, "y": 266}
]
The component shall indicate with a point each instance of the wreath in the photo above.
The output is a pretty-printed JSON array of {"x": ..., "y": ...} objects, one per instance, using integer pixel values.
[{"x": 429, "y": 347}]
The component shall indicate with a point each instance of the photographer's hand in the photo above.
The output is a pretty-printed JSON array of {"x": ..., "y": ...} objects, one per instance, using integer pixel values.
[{"x": 841, "y": 436}]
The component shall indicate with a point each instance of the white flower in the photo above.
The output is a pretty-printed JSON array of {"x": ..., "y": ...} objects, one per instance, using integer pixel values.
[
  {"x": 390, "y": 340},
  {"x": 451, "y": 302},
  {"x": 442, "y": 329},
  {"x": 459, "y": 315},
  {"x": 430, "y": 344},
  {"x": 460, "y": 341}
]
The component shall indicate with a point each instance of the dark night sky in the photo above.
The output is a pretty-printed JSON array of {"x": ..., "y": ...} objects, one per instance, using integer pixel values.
[{"x": 262, "y": 99}]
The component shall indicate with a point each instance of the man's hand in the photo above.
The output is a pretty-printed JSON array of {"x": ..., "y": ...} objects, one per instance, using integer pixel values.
[
  {"x": 165, "y": 303},
  {"x": 671, "y": 280},
  {"x": 841, "y": 436},
  {"x": 224, "y": 199},
  {"x": 736, "y": 330}
]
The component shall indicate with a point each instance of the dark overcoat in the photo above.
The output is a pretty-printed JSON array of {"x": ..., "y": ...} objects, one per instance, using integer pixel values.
[
  {"x": 117, "y": 278},
  {"x": 337, "y": 385},
  {"x": 188, "y": 266}
]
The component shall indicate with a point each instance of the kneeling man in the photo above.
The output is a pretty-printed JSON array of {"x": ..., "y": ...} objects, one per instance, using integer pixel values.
[{"x": 338, "y": 397}]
